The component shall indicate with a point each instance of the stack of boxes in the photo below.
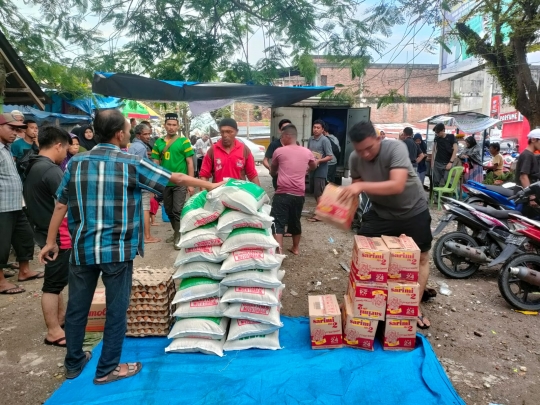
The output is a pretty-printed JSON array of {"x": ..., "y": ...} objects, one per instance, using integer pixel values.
[
  {"x": 149, "y": 312},
  {"x": 382, "y": 290}
]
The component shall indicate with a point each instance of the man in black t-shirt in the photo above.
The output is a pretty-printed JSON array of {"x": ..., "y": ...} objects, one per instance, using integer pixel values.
[
  {"x": 527, "y": 170},
  {"x": 275, "y": 144},
  {"x": 43, "y": 177},
  {"x": 444, "y": 153},
  {"x": 412, "y": 147}
]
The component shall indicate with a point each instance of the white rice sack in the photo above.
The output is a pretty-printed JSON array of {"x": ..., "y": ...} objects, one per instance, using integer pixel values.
[
  {"x": 257, "y": 313},
  {"x": 197, "y": 212},
  {"x": 265, "y": 342},
  {"x": 199, "y": 269},
  {"x": 266, "y": 209},
  {"x": 248, "y": 238},
  {"x": 241, "y": 328},
  {"x": 280, "y": 275},
  {"x": 253, "y": 295},
  {"x": 199, "y": 328},
  {"x": 205, "y": 235},
  {"x": 197, "y": 288},
  {"x": 240, "y": 195},
  {"x": 189, "y": 345},
  {"x": 231, "y": 220},
  {"x": 200, "y": 254},
  {"x": 251, "y": 259},
  {"x": 212, "y": 307},
  {"x": 253, "y": 278}
]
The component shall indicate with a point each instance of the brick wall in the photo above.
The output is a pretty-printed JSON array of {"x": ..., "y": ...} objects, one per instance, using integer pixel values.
[{"x": 240, "y": 112}]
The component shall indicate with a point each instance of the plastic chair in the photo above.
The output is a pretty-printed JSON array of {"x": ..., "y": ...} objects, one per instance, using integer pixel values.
[{"x": 451, "y": 186}]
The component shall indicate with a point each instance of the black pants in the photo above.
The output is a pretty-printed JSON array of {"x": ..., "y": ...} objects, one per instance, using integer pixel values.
[
  {"x": 331, "y": 177},
  {"x": 417, "y": 227},
  {"x": 287, "y": 211},
  {"x": 16, "y": 231},
  {"x": 199, "y": 165},
  {"x": 174, "y": 198},
  {"x": 57, "y": 273}
]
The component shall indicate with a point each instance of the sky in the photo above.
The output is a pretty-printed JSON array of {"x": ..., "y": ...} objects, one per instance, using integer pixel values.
[{"x": 398, "y": 49}]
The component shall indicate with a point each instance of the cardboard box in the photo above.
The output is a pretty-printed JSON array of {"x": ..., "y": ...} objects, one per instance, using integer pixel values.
[
  {"x": 403, "y": 300},
  {"x": 368, "y": 299},
  {"x": 399, "y": 334},
  {"x": 98, "y": 310},
  {"x": 357, "y": 332},
  {"x": 329, "y": 210},
  {"x": 404, "y": 258},
  {"x": 370, "y": 260},
  {"x": 325, "y": 322}
]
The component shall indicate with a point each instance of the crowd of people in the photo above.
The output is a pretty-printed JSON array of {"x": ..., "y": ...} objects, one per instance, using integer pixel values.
[{"x": 91, "y": 213}]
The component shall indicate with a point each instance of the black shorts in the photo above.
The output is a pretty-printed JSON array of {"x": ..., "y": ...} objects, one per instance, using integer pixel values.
[
  {"x": 287, "y": 210},
  {"x": 417, "y": 227},
  {"x": 319, "y": 183},
  {"x": 56, "y": 273}
]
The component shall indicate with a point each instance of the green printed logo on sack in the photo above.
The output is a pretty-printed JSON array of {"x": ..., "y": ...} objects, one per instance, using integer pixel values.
[
  {"x": 217, "y": 321},
  {"x": 240, "y": 195},
  {"x": 194, "y": 202},
  {"x": 256, "y": 191},
  {"x": 195, "y": 281},
  {"x": 194, "y": 214}
]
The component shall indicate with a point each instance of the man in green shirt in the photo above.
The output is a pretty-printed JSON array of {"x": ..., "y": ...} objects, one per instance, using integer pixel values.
[{"x": 174, "y": 153}]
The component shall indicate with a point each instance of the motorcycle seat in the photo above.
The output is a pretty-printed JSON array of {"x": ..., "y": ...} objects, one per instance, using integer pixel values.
[
  {"x": 499, "y": 214},
  {"x": 501, "y": 190}
]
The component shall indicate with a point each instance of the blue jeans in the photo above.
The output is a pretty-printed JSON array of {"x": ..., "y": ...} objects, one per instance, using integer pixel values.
[{"x": 82, "y": 284}]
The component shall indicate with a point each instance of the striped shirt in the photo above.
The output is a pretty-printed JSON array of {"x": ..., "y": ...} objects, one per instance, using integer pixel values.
[
  {"x": 102, "y": 189},
  {"x": 11, "y": 188}
]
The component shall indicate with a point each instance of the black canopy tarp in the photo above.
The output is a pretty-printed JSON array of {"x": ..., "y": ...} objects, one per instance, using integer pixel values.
[{"x": 142, "y": 88}]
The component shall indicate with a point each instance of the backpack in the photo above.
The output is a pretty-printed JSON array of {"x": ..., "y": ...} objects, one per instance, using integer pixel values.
[
  {"x": 335, "y": 148},
  {"x": 23, "y": 163},
  {"x": 210, "y": 154}
]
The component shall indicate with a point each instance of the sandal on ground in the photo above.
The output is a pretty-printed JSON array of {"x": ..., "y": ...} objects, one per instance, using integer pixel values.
[
  {"x": 313, "y": 219},
  {"x": 428, "y": 294},
  {"x": 421, "y": 319},
  {"x": 37, "y": 276},
  {"x": 56, "y": 342},
  {"x": 9, "y": 273},
  {"x": 13, "y": 290},
  {"x": 13, "y": 266},
  {"x": 74, "y": 374},
  {"x": 132, "y": 369}
]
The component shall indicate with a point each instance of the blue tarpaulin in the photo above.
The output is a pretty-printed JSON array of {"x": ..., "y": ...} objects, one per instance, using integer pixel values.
[
  {"x": 43, "y": 116},
  {"x": 136, "y": 87},
  {"x": 294, "y": 375},
  {"x": 96, "y": 101}
]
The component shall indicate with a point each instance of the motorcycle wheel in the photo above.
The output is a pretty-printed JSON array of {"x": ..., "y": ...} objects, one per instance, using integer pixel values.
[
  {"x": 516, "y": 292},
  {"x": 450, "y": 264}
]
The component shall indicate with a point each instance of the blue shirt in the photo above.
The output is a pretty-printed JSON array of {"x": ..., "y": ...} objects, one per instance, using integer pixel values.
[
  {"x": 102, "y": 189},
  {"x": 138, "y": 148},
  {"x": 19, "y": 147}
]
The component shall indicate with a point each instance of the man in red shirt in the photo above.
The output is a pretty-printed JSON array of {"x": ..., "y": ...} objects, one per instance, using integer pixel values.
[
  {"x": 290, "y": 164},
  {"x": 229, "y": 157}
]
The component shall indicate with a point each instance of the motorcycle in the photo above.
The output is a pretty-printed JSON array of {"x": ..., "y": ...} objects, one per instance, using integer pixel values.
[
  {"x": 459, "y": 254},
  {"x": 492, "y": 196}
]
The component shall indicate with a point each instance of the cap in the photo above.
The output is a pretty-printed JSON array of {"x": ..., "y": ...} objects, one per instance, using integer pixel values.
[
  {"x": 8, "y": 118},
  {"x": 228, "y": 122},
  {"x": 534, "y": 134},
  {"x": 171, "y": 116}
]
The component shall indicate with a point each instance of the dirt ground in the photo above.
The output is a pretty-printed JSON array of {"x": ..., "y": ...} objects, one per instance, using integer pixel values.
[{"x": 499, "y": 367}]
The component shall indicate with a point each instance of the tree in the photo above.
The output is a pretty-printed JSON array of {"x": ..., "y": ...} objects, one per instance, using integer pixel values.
[
  {"x": 512, "y": 33},
  {"x": 196, "y": 39}
]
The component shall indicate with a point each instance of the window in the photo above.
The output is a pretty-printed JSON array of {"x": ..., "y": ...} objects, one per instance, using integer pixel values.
[{"x": 323, "y": 80}]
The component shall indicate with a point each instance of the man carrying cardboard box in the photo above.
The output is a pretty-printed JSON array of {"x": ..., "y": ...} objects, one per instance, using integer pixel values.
[{"x": 384, "y": 172}]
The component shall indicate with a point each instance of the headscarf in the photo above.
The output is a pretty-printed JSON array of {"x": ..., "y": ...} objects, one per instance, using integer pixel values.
[
  {"x": 87, "y": 144},
  {"x": 473, "y": 151},
  {"x": 423, "y": 146},
  {"x": 64, "y": 163}
]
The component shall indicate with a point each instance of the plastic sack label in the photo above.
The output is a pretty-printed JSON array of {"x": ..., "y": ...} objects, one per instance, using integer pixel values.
[
  {"x": 200, "y": 254},
  {"x": 211, "y": 307},
  {"x": 231, "y": 220},
  {"x": 257, "y": 313},
  {"x": 206, "y": 235},
  {"x": 199, "y": 328},
  {"x": 250, "y": 259},
  {"x": 197, "y": 212}
]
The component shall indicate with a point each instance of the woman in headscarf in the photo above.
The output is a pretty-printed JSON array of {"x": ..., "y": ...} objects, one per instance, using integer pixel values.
[
  {"x": 472, "y": 154},
  {"x": 73, "y": 149},
  {"x": 85, "y": 134},
  {"x": 422, "y": 167}
]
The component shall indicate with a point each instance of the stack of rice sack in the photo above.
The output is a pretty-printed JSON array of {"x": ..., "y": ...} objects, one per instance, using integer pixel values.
[
  {"x": 149, "y": 311},
  {"x": 251, "y": 269},
  {"x": 200, "y": 325}
]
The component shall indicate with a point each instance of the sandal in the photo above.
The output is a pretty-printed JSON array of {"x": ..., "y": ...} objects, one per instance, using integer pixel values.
[
  {"x": 56, "y": 342},
  {"x": 74, "y": 374},
  {"x": 313, "y": 219},
  {"x": 421, "y": 319},
  {"x": 132, "y": 369},
  {"x": 13, "y": 290},
  {"x": 38, "y": 276},
  {"x": 9, "y": 273}
]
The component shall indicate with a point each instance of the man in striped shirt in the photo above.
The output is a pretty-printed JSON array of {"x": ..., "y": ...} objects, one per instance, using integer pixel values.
[{"x": 101, "y": 192}]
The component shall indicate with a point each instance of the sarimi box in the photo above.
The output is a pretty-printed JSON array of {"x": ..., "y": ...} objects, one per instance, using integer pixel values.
[
  {"x": 368, "y": 299},
  {"x": 98, "y": 310},
  {"x": 404, "y": 258},
  {"x": 357, "y": 332},
  {"x": 403, "y": 300},
  {"x": 399, "y": 334},
  {"x": 325, "y": 322},
  {"x": 370, "y": 259}
]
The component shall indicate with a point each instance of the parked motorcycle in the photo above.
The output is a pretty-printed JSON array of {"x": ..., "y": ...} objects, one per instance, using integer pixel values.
[
  {"x": 459, "y": 254},
  {"x": 491, "y": 196}
]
